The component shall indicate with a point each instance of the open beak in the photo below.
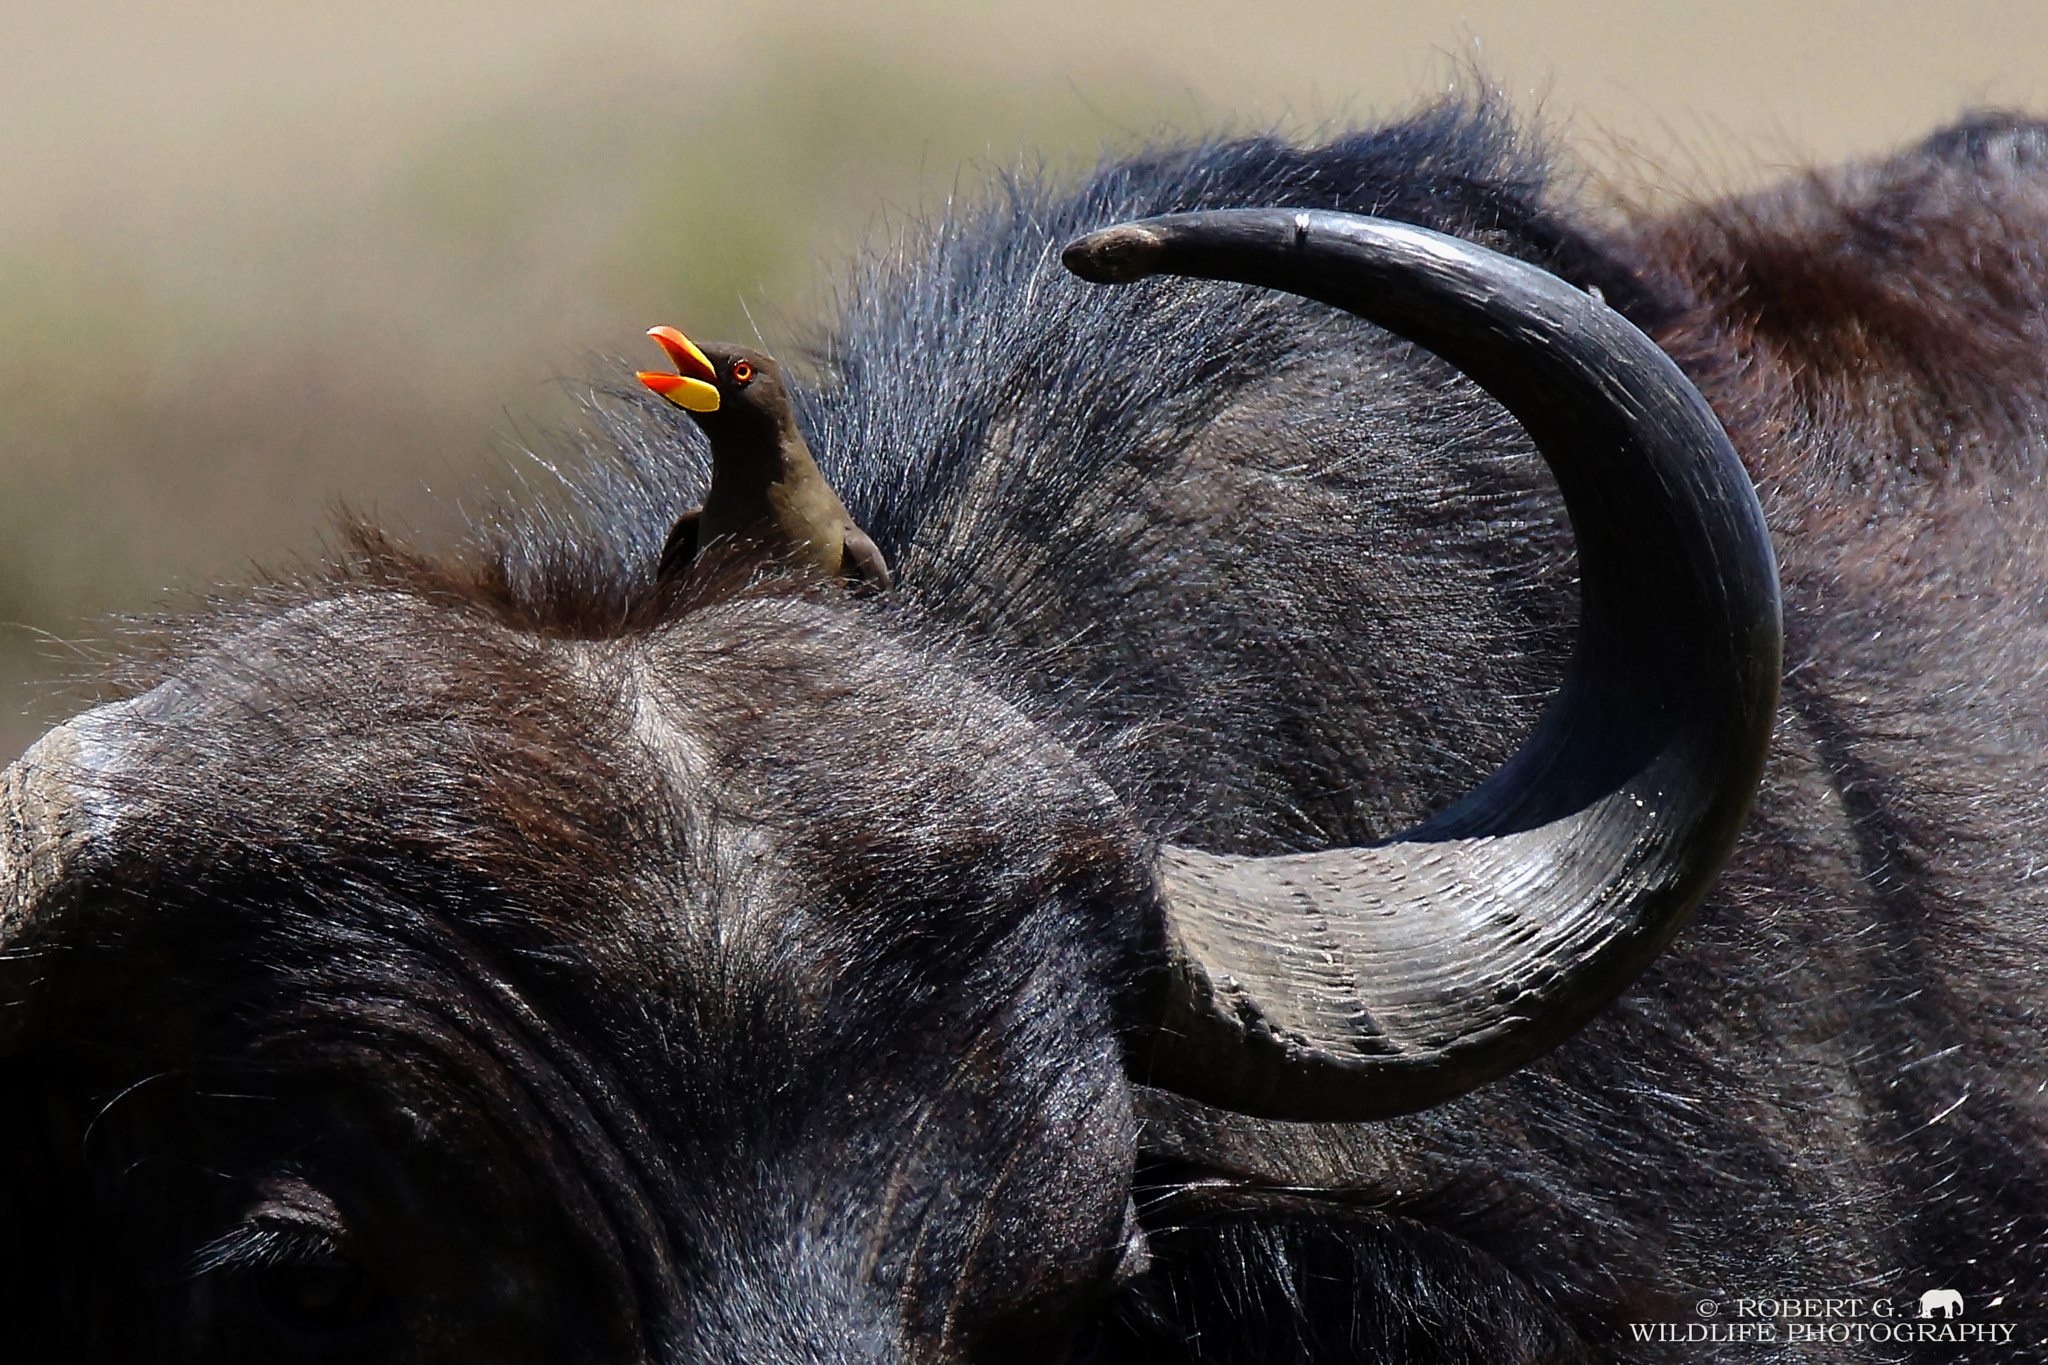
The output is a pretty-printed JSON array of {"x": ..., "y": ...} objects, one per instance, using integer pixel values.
[{"x": 696, "y": 388}]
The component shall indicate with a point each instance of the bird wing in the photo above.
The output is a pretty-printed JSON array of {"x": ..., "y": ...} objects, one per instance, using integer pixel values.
[
  {"x": 680, "y": 547},
  {"x": 864, "y": 559}
]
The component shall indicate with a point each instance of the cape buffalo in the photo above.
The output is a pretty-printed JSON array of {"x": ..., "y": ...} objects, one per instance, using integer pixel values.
[{"x": 1232, "y": 899}]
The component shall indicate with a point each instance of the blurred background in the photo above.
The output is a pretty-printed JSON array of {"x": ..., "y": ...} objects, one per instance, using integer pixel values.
[{"x": 258, "y": 257}]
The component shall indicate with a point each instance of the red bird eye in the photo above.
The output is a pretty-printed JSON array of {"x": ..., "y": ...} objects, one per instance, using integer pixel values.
[{"x": 742, "y": 372}]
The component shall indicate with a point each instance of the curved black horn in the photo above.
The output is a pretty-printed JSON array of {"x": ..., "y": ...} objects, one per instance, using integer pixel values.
[
  {"x": 41, "y": 834},
  {"x": 1364, "y": 982}
]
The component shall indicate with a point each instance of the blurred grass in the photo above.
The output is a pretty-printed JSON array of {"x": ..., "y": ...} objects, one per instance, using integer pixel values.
[{"x": 258, "y": 258}]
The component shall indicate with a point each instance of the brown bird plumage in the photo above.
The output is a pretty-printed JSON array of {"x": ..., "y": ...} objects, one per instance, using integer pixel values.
[{"x": 766, "y": 491}]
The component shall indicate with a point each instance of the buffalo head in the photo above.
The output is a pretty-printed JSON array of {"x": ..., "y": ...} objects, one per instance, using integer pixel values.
[{"x": 766, "y": 977}]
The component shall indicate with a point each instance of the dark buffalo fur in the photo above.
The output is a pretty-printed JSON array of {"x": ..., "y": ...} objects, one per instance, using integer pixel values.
[{"x": 736, "y": 971}]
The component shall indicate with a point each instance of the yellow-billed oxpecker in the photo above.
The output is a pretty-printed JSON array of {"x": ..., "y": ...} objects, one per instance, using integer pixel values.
[{"x": 765, "y": 488}]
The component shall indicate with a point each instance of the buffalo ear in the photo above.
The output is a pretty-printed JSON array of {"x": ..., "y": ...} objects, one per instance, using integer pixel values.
[{"x": 680, "y": 548}]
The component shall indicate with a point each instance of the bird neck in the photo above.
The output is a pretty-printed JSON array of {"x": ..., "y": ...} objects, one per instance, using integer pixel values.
[{"x": 746, "y": 461}]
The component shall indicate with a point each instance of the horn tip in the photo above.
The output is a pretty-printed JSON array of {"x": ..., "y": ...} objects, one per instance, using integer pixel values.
[{"x": 1117, "y": 255}]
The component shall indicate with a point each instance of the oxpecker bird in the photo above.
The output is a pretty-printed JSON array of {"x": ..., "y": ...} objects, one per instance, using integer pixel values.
[{"x": 766, "y": 490}]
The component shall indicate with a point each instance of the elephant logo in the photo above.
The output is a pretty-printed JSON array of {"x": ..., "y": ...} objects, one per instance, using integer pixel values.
[{"x": 1947, "y": 1301}]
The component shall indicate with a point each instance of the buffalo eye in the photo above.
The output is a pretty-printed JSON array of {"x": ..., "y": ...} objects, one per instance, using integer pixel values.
[
  {"x": 287, "y": 1253},
  {"x": 326, "y": 1295}
]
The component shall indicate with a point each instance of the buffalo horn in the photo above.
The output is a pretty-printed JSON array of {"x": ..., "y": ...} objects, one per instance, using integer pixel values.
[
  {"x": 41, "y": 833},
  {"x": 1364, "y": 982}
]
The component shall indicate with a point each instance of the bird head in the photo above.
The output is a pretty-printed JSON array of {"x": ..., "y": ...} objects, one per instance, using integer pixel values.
[{"x": 723, "y": 388}]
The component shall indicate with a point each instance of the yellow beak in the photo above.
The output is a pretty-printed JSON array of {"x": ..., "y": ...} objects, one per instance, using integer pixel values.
[{"x": 696, "y": 388}]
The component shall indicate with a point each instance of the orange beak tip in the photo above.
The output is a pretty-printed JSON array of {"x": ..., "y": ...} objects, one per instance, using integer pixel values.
[
  {"x": 684, "y": 353},
  {"x": 663, "y": 384}
]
